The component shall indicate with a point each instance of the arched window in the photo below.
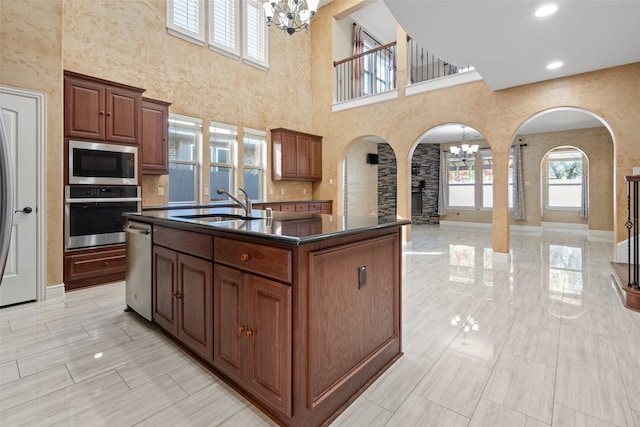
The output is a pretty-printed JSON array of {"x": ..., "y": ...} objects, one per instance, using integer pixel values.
[{"x": 563, "y": 178}]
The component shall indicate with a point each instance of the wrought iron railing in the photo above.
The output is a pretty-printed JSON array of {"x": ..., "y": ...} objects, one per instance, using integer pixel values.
[
  {"x": 367, "y": 73},
  {"x": 632, "y": 230},
  {"x": 424, "y": 65}
]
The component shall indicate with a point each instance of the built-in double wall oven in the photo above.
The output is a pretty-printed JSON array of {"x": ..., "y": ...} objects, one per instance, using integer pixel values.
[{"x": 102, "y": 186}]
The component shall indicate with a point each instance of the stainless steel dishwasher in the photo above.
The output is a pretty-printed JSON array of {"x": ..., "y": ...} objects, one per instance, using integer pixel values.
[{"x": 139, "y": 289}]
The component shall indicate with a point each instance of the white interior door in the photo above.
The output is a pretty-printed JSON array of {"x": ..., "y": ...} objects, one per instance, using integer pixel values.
[{"x": 20, "y": 280}]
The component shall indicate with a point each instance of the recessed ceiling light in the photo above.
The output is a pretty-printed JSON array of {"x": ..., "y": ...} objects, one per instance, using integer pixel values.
[
  {"x": 554, "y": 65},
  {"x": 546, "y": 10}
]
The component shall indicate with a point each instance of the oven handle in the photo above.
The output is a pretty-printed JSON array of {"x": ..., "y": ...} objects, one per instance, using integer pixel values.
[{"x": 102, "y": 200}]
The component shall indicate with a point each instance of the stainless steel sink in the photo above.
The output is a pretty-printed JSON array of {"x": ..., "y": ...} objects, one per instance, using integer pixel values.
[{"x": 215, "y": 217}]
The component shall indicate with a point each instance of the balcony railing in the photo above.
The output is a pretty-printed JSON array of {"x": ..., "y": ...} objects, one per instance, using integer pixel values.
[
  {"x": 425, "y": 66},
  {"x": 368, "y": 73}
]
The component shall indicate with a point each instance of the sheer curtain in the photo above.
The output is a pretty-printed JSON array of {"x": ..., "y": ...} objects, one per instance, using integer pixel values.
[
  {"x": 519, "y": 213},
  {"x": 442, "y": 207},
  {"x": 357, "y": 64},
  {"x": 584, "y": 206}
]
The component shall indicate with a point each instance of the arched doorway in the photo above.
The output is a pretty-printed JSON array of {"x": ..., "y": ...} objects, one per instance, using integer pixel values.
[
  {"x": 451, "y": 187},
  {"x": 591, "y": 135}
]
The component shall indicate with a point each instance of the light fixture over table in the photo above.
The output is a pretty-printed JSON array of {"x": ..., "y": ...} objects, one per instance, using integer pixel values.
[
  {"x": 290, "y": 15},
  {"x": 465, "y": 151}
]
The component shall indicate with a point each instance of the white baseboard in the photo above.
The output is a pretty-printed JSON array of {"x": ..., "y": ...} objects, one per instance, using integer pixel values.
[
  {"x": 622, "y": 250},
  {"x": 55, "y": 291},
  {"x": 481, "y": 225},
  {"x": 567, "y": 227}
]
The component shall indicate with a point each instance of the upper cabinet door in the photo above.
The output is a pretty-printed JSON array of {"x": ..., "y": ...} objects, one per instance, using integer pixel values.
[
  {"x": 296, "y": 156},
  {"x": 101, "y": 110},
  {"x": 154, "y": 137},
  {"x": 123, "y": 115},
  {"x": 84, "y": 104}
]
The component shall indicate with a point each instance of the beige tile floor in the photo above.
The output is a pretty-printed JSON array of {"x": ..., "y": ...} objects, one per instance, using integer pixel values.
[{"x": 541, "y": 341}]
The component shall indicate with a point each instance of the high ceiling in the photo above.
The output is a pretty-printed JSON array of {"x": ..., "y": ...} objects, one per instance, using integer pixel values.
[{"x": 509, "y": 46}]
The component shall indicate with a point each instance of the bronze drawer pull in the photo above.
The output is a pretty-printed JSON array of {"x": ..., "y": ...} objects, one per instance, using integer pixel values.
[
  {"x": 240, "y": 329},
  {"x": 244, "y": 257},
  {"x": 249, "y": 333}
]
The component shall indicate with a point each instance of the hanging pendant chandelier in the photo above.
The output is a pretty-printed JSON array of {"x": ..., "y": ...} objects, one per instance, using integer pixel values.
[
  {"x": 290, "y": 15},
  {"x": 465, "y": 151}
]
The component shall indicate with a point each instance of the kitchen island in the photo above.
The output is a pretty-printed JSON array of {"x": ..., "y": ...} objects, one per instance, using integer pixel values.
[{"x": 298, "y": 312}]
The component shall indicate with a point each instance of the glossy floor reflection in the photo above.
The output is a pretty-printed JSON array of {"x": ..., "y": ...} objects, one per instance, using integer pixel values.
[{"x": 542, "y": 340}]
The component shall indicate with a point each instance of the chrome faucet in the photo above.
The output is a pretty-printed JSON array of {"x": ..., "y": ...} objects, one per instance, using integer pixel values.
[{"x": 246, "y": 205}]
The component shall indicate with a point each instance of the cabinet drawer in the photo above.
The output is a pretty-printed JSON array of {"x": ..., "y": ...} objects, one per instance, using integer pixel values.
[
  {"x": 291, "y": 207},
  {"x": 327, "y": 207},
  {"x": 264, "y": 260},
  {"x": 302, "y": 207},
  {"x": 189, "y": 242},
  {"x": 94, "y": 264},
  {"x": 315, "y": 207}
]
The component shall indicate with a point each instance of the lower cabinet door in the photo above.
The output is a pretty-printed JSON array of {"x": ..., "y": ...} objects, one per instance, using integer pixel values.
[
  {"x": 229, "y": 326},
  {"x": 195, "y": 305},
  {"x": 269, "y": 341},
  {"x": 165, "y": 286}
]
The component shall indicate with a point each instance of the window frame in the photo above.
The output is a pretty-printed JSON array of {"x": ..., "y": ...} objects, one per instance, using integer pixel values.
[
  {"x": 448, "y": 159},
  {"x": 261, "y": 136},
  {"x": 182, "y": 32},
  {"x": 232, "y": 164},
  {"x": 260, "y": 25},
  {"x": 196, "y": 124},
  {"x": 225, "y": 49},
  {"x": 547, "y": 183}
]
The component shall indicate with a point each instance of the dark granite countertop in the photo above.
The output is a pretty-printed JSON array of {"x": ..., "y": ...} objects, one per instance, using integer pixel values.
[
  {"x": 285, "y": 227},
  {"x": 227, "y": 204}
]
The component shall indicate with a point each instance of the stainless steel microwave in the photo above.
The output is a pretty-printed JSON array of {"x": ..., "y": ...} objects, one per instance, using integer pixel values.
[{"x": 96, "y": 163}]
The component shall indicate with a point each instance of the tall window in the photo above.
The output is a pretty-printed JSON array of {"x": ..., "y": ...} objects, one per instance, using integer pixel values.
[
  {"x": 564, "y": 178},
  {"x": 487, "y": 179},
  {"x": 376, "y": 67},
  {"x": 222, "y": 145},
  {"x": 461, "y": 182},
  {"x": 185, "y": 19},
  {"x": 254, "y": 159},
  {"x": 185, "y": 134}
]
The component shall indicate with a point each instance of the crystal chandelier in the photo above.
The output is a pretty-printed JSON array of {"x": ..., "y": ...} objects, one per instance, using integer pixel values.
[
  {"x": 290, "y": 15},
  {"x": 465, "y": 151}
]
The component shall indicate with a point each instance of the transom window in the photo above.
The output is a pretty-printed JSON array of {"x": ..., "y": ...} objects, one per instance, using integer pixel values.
[{"x": 236, "y": 28}]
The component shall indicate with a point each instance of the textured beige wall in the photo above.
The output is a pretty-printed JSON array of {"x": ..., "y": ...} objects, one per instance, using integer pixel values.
[
  {"x": 362, "y": 192},
  {"x": 613, "y": 94},
  {"x": 105, "y": 38},
  {"x": 31, "y": 58}
]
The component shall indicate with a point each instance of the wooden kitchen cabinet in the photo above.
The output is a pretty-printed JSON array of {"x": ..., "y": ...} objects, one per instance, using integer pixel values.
[
  {"x": 252, "y": 324},
  {"x": 154, "y": 137},
  {"x": 100, "y": 110},
  {"x": 182, "y": 297},
  {"x": 296, "y": 156},
  {"x": 87, "y": 267}
]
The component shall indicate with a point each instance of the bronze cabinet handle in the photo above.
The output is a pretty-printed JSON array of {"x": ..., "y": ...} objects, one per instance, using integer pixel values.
[
  {"x": 240, "y": 329},
  {"x": 244, "y": 257},
  {"x": 248, "y": 333}
]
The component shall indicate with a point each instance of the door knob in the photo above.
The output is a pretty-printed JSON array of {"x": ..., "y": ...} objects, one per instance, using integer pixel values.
[{"x": 26, "y": 210}]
